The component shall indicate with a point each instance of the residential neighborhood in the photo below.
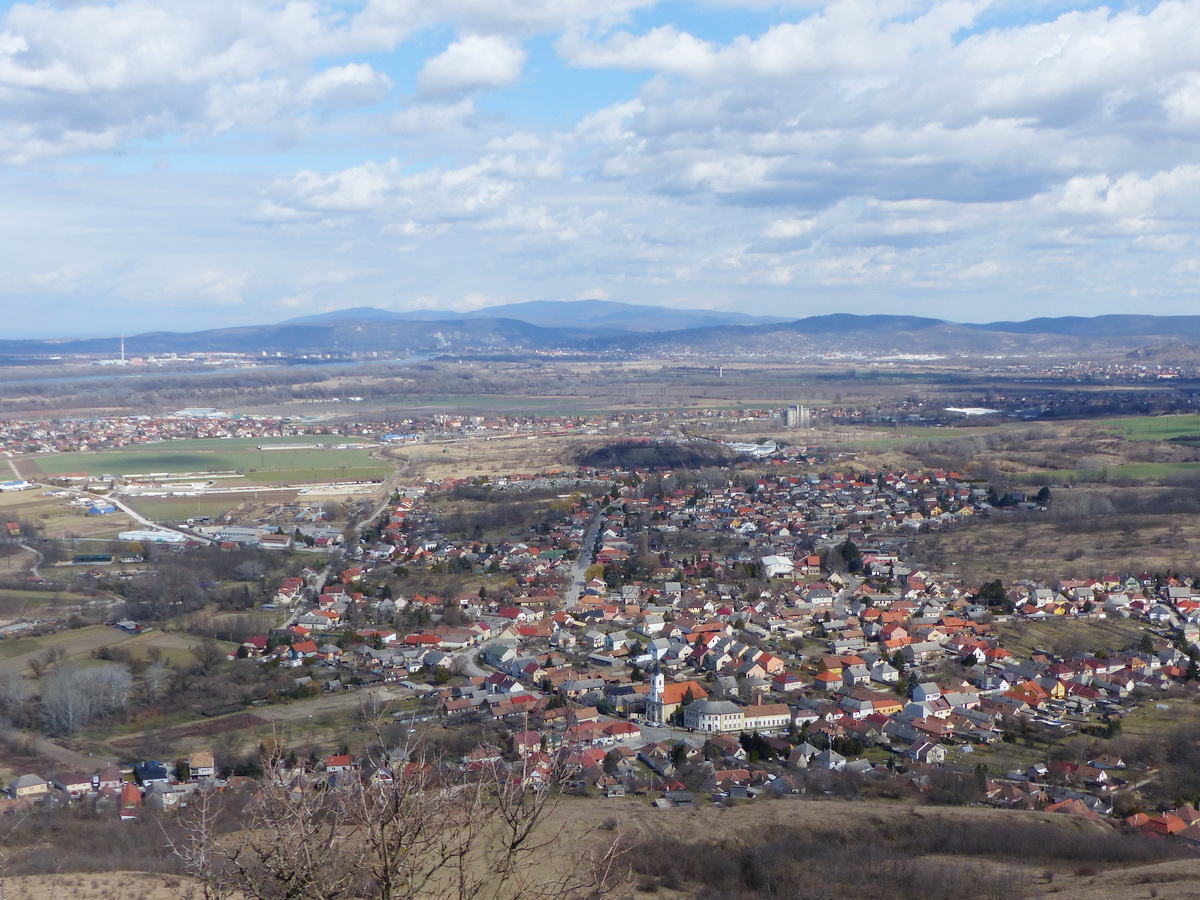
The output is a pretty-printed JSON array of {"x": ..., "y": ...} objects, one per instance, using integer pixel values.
[{"x": 675, "y": 639}]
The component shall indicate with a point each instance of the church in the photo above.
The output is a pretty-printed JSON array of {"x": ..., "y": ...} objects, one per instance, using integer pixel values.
[{"x": 665, "y": 698}]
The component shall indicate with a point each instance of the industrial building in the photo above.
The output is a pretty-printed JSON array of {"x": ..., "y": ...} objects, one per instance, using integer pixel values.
[{"x": 151, "y": 536}]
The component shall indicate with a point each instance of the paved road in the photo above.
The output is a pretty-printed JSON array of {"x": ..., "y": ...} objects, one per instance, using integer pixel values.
[
  {"x": 652, "y": 734},
  {"x": 587, "y": 556},
  {"x": 471, "y": 667}
]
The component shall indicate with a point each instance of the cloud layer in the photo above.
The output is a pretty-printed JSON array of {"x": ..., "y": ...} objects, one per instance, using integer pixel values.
[{"x": 229, "y": 162}]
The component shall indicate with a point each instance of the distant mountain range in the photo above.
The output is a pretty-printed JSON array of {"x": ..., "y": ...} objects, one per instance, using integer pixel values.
[
  {"x": 604, "y": 315},
  {"x": 601, "y": 325}
]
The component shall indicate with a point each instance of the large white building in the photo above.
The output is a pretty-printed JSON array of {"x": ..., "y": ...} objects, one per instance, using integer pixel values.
[
  {"x": 723, "y": 717},
  {"x": 149, "y": 536},
  {"x": 713, "y": 716},
  {"x": 777, "y": 567}
]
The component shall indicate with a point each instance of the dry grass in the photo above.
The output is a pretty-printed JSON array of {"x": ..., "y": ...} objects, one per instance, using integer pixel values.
[
  {"x": 1035, "y": 546},
  {"x": 849, "y": 819},
  {"x": 469, "y": 457},
  {"x": 100, "y": 886},
  {"x": 1178, "y": 880},
  {"x": 1066, "y": 636},
  {"x": 575, "y": 818},
  {"x": 16, "y": 654}
]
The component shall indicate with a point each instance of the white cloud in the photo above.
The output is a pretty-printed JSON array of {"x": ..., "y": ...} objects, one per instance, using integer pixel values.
[
  {"x": 472, "y": 63},
  {"x": 213, "y": 285},
  {"x": 1130, "y": 197},
  {"x": 360, "y": 189},
  {"x": 432, "y": 118},
  {"x": 665, "y": 49},
  {"x": 345, "y": 87},
  {"x": 842, "y": 150},
  {"x": 846, "y": 37},
  {"x": 789, "y": 228},
  {"x": 135, "y": 69},
  {"x": 398, "y": 18}
]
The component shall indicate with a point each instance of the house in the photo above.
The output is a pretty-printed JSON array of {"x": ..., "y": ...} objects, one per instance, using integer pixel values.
[
  {"x": 927, "y": 752},
  {"x": 777, "y": 567},
  {"x": 526, "y": 742},
  {"x": 131, "y": 802},
  {"x": 200, "y": 765},
  {"x": 765, "y": 717},
  {"x": 74, "y": 783},
  {"x": 163, "y": 796},
  {"x": 827, "y": 680},
  {"x": 786, "y": 682},
  {"x": 28, "y": 787},
  {"x": 109, "y": 778},
  {"x": 828, "y": 760},
  {"x": 339, "y": 764},
  {"x": 150, "y": 771},
  {"x": 255, "y": 646},
  {"x": 679, "y": 799}
]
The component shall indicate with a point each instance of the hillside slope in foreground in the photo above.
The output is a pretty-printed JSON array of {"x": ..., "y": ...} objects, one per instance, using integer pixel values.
[{"x": 1030, "y": 854}]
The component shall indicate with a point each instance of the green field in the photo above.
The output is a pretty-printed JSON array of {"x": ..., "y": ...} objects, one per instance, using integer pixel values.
[
  {"x": 178, "y": 509},
  {"x": 889, "y": 438},
  {"x": 220, "y": 455},
  {"x": 1129, "y": 471},
  {"x": 1158, "y": 428}
]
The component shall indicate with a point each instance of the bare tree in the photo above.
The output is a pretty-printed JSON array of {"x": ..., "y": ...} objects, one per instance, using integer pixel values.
[
  {"x": 197, "y": 845},
  {"x": 402, "y": 828},
  {"x": 110, "y": 686},
  {"x": 72, "y": 696},
  {"x": 154, "y": 676},
  {"x": 41, "y": 662},
  {"x": 14, "y": 691},
  {"x": 210, "y": 655},
  {"x": 66, "y": 702}
]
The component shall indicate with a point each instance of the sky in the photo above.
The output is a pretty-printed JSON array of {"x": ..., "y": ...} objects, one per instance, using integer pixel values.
[{"x": 180, "y": 165}]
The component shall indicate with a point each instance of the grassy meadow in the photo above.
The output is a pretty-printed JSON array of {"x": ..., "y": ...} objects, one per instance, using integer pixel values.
[{"x": 295, "y": 459}]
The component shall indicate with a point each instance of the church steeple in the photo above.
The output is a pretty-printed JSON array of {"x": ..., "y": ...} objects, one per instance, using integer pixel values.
[{"x": 657, "y": 683}]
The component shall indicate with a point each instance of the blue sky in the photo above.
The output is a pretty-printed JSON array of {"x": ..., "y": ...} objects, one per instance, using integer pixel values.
[{"x": 172, "y": 165}]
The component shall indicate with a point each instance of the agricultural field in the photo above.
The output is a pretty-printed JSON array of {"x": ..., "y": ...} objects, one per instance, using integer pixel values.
[
  {"x": 17, "y": 504},
  {"x": 52, "y": 603},
  {"x": 476, "y": 456},
  {"x": 1183, "y": 429},
  {"x": 70, "y": 524},
  {"x": 1066, "y": 637},
  {"x": 178, "y": 509},
  {"x": 1150, "y": 471},
  {"x": 57, "y": 518},
  {"x": 258, "y": 460},
  {"x": 174, "y": 647},
  {"x": 78, "y": 645},
  {"x": 1040, "y": 545}
]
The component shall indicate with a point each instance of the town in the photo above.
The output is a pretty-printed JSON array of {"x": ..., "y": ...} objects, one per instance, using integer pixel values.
[
  {"x": 719, "y": 640},
  {"x": 638, "y": 611}
]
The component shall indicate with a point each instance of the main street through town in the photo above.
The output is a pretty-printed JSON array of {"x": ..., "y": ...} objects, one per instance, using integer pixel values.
[{"x": 587, "y": 556}]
